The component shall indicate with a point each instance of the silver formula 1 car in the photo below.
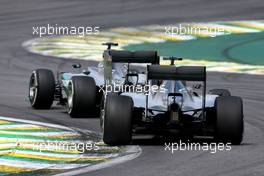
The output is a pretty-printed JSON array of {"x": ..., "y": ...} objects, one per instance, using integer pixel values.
[{"x": 146, "y": 98}]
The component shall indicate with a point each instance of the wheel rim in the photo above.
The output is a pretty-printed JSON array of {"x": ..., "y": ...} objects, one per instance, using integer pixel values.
[
  {"x": 33, "y": 88},
  {"x": 102, "y": 114},
  {"x": 70, "y": 97}
]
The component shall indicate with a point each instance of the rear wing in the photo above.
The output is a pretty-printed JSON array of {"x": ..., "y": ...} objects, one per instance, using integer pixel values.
[
  {"x": 184, "y": 73},
  {"x": 121, "y": 56},
  {"x": 134, "y": 57}
]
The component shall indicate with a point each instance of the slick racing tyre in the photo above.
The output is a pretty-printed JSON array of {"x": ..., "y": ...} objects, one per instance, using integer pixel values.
[
  {"x": 229, "y": 119},
  {"x": 41, "y": 89},
  {"x": 117, "y": 120},
  {"x": 81, "y": 96},
  {"x": 220, "y": 92}
]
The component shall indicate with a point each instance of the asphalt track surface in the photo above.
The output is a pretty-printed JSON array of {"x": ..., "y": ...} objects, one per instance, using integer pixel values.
[{"x": 16, "y": 64}]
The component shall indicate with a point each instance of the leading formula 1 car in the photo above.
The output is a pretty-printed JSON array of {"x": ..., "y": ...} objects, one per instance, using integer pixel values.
[{"x": 172, "y": 107}]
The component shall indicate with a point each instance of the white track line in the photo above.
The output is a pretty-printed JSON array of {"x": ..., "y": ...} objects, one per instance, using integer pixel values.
[
  {"x": 32, "y": 165},
  {"x": 41, "y": 134},
  {"x": 36, "y": 123}
]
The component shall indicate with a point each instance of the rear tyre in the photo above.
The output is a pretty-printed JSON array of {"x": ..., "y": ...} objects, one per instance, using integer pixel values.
[
  {"x": 220, "y": 92},
  {"x": 229, "y": 119},
  {"x": 81, "y": 96},
  {"x": 41, "y": 89},
  {"x": 117, "y": 120}
]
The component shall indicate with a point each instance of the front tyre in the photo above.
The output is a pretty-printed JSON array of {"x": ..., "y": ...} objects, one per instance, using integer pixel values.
[
  {"x": 229, "y": 119},
  {"x": 117, "y": 119},
  {"x": 41, "y": 89},
  {"x": 81, "y": 96}
]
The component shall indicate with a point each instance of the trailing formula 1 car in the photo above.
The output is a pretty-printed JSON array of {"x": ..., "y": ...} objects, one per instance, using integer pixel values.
[{"x": 148, "y": 98}]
